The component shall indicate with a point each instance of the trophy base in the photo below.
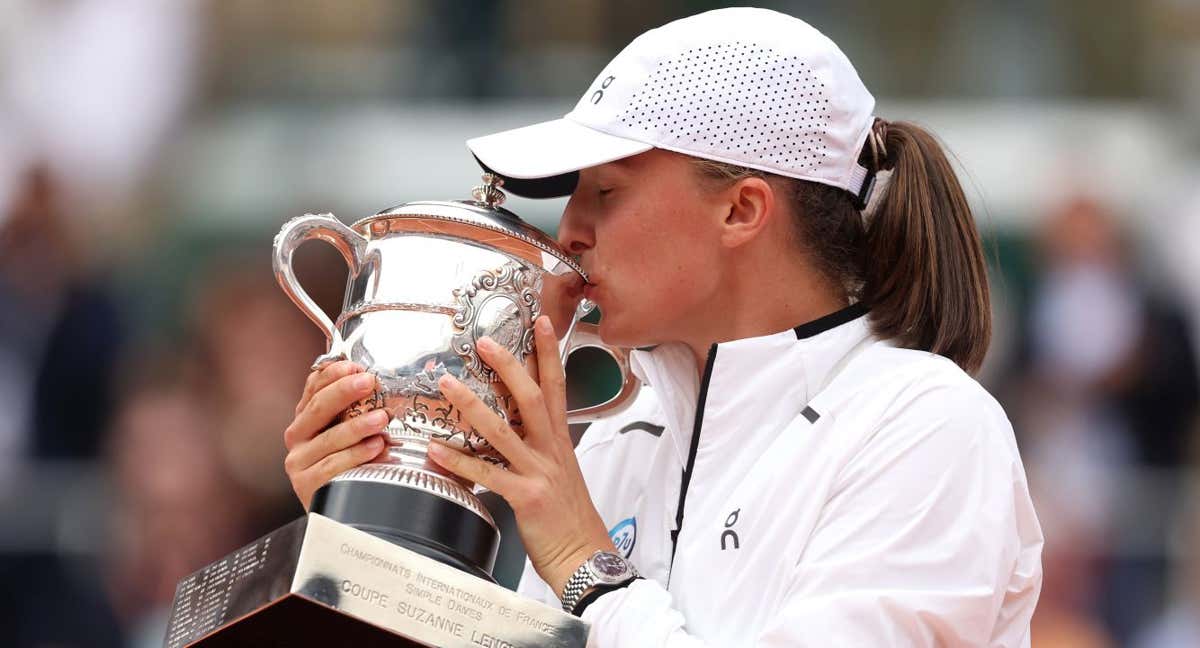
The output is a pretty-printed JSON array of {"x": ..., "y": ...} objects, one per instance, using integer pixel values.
[
  {"x": 298, "y": 621},
  {"x": 417, "y": 520},
  {"x": 317, "y": 583}
]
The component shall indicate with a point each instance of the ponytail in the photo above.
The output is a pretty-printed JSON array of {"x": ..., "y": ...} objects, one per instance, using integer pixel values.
[{"x": 924, "y": 276}]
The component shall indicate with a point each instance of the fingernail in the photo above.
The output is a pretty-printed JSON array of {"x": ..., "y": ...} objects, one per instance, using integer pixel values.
[
  {"x": 377, "y": 417},
  {"x": 543, "y": 324},
  {"x": 447, "y": 382},
  {"x": 436, "y": 450},
  {"x": 364, "y": 381},
  {"x": 486, "y": 344}
]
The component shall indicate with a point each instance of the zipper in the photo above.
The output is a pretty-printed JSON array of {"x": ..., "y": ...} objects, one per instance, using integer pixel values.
[{"x": 686, "y": 478}]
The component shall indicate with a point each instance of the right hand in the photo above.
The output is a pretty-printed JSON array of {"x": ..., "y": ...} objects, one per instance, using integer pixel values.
[{"x": 318, "y": 448}]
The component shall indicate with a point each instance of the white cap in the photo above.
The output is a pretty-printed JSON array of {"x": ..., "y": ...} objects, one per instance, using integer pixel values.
[{"x": 751, "y": 87}]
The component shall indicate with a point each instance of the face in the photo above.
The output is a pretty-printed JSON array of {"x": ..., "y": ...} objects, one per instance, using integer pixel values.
[{"x": 649, "y": 237}]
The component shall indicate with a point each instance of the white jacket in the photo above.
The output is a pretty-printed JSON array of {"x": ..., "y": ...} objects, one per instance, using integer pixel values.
[{"x": 843, "y": 492}]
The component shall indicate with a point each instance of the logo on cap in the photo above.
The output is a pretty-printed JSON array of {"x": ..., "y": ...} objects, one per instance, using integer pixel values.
[{"x": 599, "y": 94}]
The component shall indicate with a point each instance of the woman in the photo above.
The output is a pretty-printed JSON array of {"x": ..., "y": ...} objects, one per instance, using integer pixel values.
[{"x": 810, "y": 462}]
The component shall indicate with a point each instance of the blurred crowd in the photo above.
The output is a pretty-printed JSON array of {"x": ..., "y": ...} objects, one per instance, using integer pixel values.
[
  {"x": 149, "y": 366},
  {"x": 184, "y": 429},
  {"x": 1104, "y": 395}
]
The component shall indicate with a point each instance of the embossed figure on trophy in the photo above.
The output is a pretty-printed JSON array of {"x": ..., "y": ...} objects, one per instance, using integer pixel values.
[
  {"x": 372, "y": 402},
  {"x": 447, "y": 421},
  {"x": 501, "y": 304},
  {"x": 416, "y": 412}
]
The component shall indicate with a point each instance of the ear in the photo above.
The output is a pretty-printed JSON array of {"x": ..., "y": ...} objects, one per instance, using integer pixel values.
[{"x": 751, "y": 206}]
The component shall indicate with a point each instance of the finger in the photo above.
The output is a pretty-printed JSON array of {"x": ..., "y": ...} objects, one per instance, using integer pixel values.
[
  {"x": 356, "y": 455},
  {"x": 318, "y": 380},
  {"x": 335, "y": 439},
  {"x": 326, "y": 404},
  {"x": 525, "y": 391},
  {"x": 488, "y": 475},
  {"x": 486, "y": 422},
  {"x": 552, "y": 377},
  {"x": 560, "y": 298}
]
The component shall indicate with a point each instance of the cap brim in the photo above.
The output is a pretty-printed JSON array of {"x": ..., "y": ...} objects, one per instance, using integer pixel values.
[{"x": 543, "y": 160}]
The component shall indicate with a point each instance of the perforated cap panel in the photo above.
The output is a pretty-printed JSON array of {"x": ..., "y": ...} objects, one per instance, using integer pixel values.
[{"x": 736, "y": 99}]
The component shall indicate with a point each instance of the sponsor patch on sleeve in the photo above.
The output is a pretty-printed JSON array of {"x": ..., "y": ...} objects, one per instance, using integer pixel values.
[{"x": 624, "y": 536}]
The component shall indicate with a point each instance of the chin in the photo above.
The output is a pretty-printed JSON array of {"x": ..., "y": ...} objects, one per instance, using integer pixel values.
[{"x": 618, "y": 331}]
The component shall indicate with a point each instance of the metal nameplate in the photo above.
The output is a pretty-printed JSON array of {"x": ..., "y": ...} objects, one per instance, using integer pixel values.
[{"x": 420, "y": 597}]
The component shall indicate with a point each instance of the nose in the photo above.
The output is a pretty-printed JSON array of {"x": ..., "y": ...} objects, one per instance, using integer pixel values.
[{"x": 575, "y": 233}]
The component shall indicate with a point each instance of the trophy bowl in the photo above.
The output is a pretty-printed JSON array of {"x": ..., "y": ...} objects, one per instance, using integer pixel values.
[{"x": 426, "y": 281}]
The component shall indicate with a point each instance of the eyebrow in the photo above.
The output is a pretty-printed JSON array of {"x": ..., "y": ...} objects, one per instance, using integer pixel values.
[{"x": 622, "y": 166}]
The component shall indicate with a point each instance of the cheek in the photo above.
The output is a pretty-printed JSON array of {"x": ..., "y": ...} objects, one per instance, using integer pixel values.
[
  {"x": 683, "y": 255},
  {"x": 664, "y": 272},
  {"x": 655, "y": 306},
  {"x": 673, "y": 275}
]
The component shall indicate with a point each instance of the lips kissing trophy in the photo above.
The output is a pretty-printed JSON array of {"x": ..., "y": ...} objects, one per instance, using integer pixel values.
[{"x": 399, "y": 552}]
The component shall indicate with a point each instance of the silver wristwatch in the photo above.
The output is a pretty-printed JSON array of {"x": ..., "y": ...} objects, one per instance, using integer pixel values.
[{"x": 603, "y": 568}]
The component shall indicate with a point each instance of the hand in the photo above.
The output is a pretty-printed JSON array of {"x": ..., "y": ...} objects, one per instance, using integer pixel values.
[
  {"x": 555, "y": 516},
  {"x": 315, "y": 453}
]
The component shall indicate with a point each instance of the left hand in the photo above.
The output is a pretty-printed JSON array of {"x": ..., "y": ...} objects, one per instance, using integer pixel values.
[{"x": 544, "y": 486}]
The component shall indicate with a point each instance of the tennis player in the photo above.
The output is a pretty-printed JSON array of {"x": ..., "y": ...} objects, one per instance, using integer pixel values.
[{"x": 809, "y": 462}]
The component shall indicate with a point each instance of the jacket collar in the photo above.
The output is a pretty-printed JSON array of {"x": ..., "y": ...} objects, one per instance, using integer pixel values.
[{"x": 758, "y": 383}]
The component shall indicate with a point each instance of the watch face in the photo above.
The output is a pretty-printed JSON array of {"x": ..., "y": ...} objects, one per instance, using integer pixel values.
[{"x": 609, "y": 565}]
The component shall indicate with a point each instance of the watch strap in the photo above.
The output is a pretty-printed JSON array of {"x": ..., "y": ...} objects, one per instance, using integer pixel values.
[
  {"x": 576, "y": 584},
  {"x": 597, "y": 592}
]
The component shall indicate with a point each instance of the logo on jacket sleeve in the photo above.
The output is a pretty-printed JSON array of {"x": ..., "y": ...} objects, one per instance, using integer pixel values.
[{"x": 624, "y": 536}]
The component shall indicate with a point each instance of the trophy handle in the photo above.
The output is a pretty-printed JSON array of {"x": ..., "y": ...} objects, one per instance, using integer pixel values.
[
  {"x": 588, "y": 335},
  {"x": 326, "y": 228}
]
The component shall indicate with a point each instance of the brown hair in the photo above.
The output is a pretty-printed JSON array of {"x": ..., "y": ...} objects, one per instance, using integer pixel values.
[{"x": 914, "y": 257}]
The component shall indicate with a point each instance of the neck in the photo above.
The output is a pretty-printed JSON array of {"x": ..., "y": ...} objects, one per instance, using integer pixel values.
[{"x": 756, "y": 298}]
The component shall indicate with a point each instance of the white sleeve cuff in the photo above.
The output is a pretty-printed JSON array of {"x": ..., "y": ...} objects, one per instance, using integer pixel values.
[{"x": 642, "y": 614}]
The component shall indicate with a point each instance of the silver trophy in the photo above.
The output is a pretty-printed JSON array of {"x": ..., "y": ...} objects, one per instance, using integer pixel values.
[{"x": 384, "y": 540}]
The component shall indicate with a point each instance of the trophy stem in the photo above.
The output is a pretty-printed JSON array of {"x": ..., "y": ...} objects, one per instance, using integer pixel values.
[{"x": 421, "y": 511}]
